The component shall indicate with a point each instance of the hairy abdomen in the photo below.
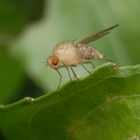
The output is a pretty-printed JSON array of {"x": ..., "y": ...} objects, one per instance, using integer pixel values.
[{"x": 88, "y": 52}]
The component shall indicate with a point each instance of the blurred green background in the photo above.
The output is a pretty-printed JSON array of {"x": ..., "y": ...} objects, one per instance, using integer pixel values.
[{"x": 29, "y": 29}]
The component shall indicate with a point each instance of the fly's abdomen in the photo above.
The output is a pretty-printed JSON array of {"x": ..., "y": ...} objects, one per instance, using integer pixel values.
[{"x": 88, "y": 52}]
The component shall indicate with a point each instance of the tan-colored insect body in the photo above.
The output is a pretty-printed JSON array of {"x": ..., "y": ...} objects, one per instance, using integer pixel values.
[{"x": 70, "y": 54}]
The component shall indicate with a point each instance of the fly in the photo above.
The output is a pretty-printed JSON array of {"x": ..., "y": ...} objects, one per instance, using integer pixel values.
[{"x": 71, "y": 54}]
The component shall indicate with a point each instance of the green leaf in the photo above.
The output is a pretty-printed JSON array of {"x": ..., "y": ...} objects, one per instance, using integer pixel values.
[{"x": 104, "y": 105}]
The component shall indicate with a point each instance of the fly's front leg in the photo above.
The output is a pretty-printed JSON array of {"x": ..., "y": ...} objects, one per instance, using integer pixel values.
[
  {"x": 60, "y": 79},
  {"x": 76, "y": 77}
]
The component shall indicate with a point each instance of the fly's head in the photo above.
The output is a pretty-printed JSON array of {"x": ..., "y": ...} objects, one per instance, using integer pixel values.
[{"x": 53, "y": 61}]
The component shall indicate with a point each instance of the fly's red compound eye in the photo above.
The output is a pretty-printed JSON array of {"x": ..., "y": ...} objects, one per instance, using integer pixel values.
[{"x": 55, "y": 60}]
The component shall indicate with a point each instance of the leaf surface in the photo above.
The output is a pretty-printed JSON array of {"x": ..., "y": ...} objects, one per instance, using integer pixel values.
[{"x": 104, "y": 105}]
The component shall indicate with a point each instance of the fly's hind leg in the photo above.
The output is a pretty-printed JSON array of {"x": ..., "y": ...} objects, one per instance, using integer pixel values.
[
  {"x": 76, "y": 77},
  {"x": 108, "y": 60},
  {"x": 85, "y": 68},
  {"x": 91, "y": 63}
]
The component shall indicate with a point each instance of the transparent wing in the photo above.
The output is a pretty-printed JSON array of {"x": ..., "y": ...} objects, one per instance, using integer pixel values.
[{"x": 97, "y": 35}]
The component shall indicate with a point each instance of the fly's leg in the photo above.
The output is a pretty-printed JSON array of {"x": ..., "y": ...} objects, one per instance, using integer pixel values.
[
  {"x": 85, "y": 68},
  {"x": 60, "y": 79},
  {"x": 76, "y": 77},
  {"x": 68, "y": 73},
  {"x": 92, "y": 64},
  {"x": 108, "y": 60}
]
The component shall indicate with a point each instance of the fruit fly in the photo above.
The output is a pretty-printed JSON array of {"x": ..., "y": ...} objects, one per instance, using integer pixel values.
[{"x": 70, "y": 54}]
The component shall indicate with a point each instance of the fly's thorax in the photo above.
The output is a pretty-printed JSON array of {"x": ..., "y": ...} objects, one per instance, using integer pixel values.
[
  {"x": 88, "y": 52},
  {"x": 68, "y": 53}
]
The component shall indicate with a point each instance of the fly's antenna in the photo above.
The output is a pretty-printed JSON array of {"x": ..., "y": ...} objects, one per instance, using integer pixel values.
[{"x": 44, "y": 63}]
